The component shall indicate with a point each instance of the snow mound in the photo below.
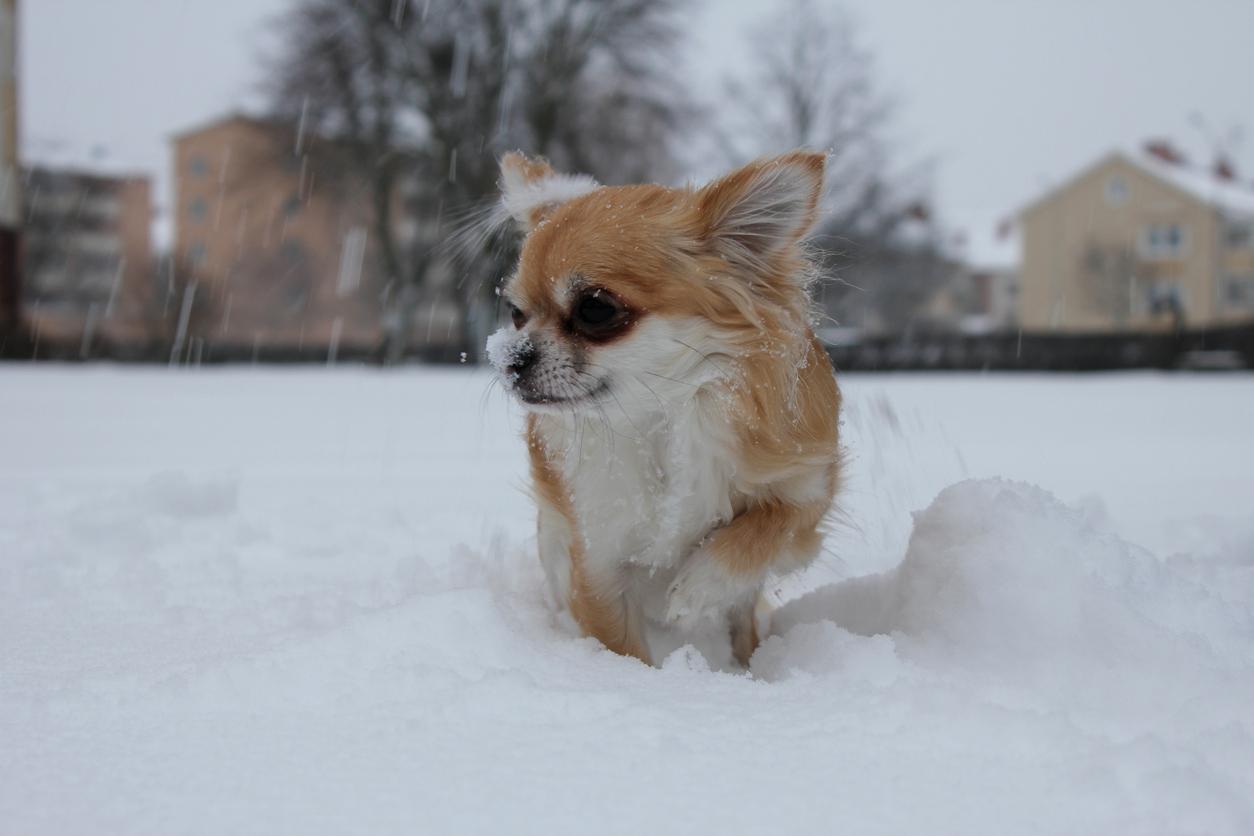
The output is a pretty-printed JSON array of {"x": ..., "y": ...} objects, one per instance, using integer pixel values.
[
  {"x": 177, "y": 494},
  {"x": 1021, "y": 594}
]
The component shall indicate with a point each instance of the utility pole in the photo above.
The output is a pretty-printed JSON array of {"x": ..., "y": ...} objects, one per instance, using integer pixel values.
[{"x": 10, "y": 175}]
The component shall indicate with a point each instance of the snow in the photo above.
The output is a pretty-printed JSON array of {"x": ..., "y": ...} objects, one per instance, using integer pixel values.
[
  {"x": 988, "y": 245},
  {"x": 505, "y": 346},
  {"x": 520, "y": 197},
  {"x": 1234, "y": 196},
  {"x": 259, "y": 601}
]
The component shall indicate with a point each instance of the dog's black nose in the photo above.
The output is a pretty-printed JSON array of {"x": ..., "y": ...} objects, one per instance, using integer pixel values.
[{"x": 522, "y": 358}]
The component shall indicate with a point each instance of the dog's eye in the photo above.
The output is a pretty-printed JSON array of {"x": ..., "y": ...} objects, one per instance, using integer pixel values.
[
  {"x": 517, "y": 316},
  {"x": 597, "y": 314},
  {"x": 594, "y": 310}
]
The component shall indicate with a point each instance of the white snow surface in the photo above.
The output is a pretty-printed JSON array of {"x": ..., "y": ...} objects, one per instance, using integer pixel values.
[{"x": 265, "y": 601}]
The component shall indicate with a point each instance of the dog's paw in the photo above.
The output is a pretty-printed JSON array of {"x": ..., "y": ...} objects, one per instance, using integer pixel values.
[{"x": 703, "y": 592}]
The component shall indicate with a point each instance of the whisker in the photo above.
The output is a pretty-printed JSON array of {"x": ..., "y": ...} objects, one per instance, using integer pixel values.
[
  {"x": 661, "y": 405},
  {"x": 626, "y": 415},
  {"x": 673, "y": 380},
  {"x": 639, "y": 435},
  {"x": 636, "y": 377},
  {"x": 701, "y": 354}
]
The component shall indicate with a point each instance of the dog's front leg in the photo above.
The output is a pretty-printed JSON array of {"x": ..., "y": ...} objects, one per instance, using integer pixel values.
[
  {"x": 601, "y": 608},
  {"x": 724, "y": 575}
]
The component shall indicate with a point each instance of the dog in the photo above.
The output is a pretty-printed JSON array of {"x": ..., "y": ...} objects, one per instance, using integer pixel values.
[{"x": 681, "y": 417}]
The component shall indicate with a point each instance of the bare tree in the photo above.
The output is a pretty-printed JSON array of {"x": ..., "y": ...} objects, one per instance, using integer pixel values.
[
  {"x": 813, "y": 85},
  {"x": 418, "y": 100}
]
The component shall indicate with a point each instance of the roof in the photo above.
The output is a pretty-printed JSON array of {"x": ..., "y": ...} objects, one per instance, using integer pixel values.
[
  {"x": 42, "y": 171},
  {"x": 1201, "y": 183},
  {"x": 228, "y": 118},
  {"x": 1198, "y": 183},
  {"x": 983, "y": 241},
  {"x": 92, "y": 161},
  {"x": 989, "y": 246}
]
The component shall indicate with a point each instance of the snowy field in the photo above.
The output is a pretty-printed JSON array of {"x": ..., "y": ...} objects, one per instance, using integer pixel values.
[{"x": 263, "y": 601}]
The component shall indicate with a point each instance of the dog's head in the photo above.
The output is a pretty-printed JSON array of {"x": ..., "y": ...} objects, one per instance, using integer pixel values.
[{"x": 633, "y": 294}]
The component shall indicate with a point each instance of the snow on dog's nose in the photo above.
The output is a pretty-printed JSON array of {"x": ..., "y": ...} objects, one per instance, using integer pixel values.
[
  {"x": 511, "y": 353},
  {"x": 524, "y": 357}
]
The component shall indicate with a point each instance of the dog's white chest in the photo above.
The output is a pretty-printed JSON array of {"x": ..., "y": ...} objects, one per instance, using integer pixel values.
[{"x": 646, "y": 495}]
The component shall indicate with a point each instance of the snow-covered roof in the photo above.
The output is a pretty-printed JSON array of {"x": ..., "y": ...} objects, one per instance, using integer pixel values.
[
  {"x": 94, "y": 161},
  {"x": 1197, "y": 181},
  {"x": 984, "y": 242},
  {"x": 1200, "y": 182},
  {"x": 991, "y": 246}
]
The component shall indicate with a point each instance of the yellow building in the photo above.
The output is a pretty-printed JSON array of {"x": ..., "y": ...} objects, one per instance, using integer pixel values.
[
  {"x": 279, "y": 254},
  {"x": 1139, "y": 242}
]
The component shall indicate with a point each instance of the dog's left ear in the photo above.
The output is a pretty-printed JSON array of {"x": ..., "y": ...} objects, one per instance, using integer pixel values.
[
  {"x": 531, "y": 189},
  {"x": 759, "y": 211}
]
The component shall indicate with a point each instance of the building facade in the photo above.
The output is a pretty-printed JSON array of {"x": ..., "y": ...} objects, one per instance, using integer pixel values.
[
  {"x": 267, "y": 252},
  {"x": 1139, "y": 242},
  {"x": 87, "y": 256},
  {"x": 10, "y": 178}
]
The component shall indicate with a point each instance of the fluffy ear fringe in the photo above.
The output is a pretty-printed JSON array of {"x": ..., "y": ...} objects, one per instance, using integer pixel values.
[
  {"x": 531, "y": 189},
  {"x": 760, "y": 210}
]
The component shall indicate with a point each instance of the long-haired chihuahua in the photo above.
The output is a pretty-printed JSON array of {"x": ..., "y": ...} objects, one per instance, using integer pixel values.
[{"x": 682, "y": 419}]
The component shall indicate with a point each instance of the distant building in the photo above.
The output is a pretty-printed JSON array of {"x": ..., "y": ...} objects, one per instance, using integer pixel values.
[
  {"x": 10, "y": 179},
  {"x": 984, "y": 294},
  {"x": 1139, "y": 242},
  {"x": 87, "y": 257},
  {"x": 275, "y": 254}
]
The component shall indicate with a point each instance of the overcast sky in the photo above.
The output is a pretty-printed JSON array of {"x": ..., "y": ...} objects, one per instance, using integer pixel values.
[{"x": 1007, "y": 96}]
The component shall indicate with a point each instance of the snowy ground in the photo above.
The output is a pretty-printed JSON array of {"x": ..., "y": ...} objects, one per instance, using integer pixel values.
[{"x": 260, "y": 601}]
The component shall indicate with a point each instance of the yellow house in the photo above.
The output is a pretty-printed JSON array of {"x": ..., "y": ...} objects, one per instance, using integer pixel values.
[{"x": 1139, "y": 242}]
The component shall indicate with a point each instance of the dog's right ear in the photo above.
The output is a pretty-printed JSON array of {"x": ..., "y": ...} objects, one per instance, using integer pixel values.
[
  {"x": 531, "y": 189},
  {"x": 756, "y": 212}
]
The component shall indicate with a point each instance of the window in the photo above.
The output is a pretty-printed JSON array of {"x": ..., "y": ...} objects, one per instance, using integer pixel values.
[
  {"x": 1163, "y": 241},
  {"x": 1116, "y": 190},
  {"x": 196, "y": 254},
  {"x": 293, "y": 253},
  {"x": 1161, "y": 297},
  {"x": 198, "y": 210},
  {"x": 198, "y": 166},
  {"x": 1239, "y": 291},
  {"x": 295, "y": 296},
  {"x": 1240, "y": 236}
]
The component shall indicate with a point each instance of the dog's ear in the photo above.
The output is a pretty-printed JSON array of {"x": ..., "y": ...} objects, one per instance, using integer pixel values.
[
  {"x": 531, "y": 189},
  {"x": 757, "y": 212}
]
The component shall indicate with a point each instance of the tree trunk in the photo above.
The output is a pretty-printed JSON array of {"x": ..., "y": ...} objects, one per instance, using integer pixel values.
[{"x": 402, "y": 326}]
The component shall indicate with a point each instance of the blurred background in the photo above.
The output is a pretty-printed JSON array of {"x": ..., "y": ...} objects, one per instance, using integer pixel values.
[{"x": 1013, "y": 186}]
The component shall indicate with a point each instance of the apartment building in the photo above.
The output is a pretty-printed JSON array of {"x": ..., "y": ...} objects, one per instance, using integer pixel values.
[
  {"x": 270, "y": 252},
  {"x": 1139, "y": 241},
  {"x": 87, "y": 257}
]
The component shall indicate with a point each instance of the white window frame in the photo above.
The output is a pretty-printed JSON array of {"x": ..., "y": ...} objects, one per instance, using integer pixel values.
[{"x": 1153, "y": 250}]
